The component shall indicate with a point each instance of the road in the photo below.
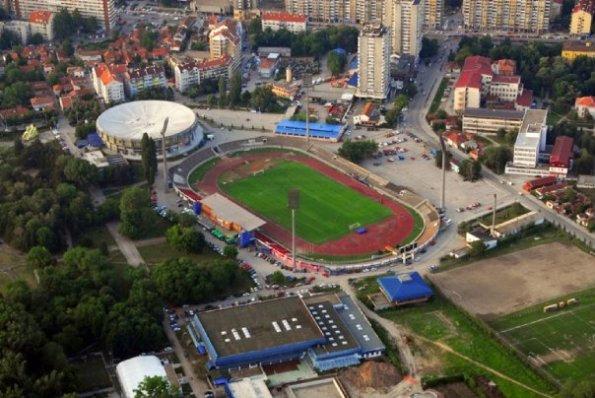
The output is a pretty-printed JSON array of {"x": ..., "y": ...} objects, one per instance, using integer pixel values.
[{"x": 415, "y": 120}]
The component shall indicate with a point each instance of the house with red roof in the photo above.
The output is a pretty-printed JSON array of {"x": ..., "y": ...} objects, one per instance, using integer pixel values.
[
  {"x": 585, "y": 105},
  {"x": 43, "y": 103},
  {"x": 561, "y": 156},
  {"x": 108, "y": 81},
  {"x": 284, "y": 20}
]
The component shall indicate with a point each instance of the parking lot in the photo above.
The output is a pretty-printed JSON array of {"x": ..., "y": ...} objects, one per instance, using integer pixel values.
[{"x": 411, "y": 164}]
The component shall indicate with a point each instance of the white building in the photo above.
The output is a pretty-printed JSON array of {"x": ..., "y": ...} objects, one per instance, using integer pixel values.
[
  {"x": 189, "y": 73},
  {"x": 373, "y": 56},
  {"x": 42, "y": 22},
  {"x": 144, "y": 78},
  {"x": 108, "y": 81},
  {"x": 133, "y": 371},
  {"x": 530, "y": 142},
  {"x": 405, "y": 18},
  {"x": 284, "y": 20}
]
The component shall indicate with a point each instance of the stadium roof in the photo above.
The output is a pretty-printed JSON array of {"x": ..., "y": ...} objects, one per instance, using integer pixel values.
[
  {"x": 317, "y": 130},
  {"x": 132, "y": 119},
  {"x": 337, "y": 334},
  {"x": 405, "y": 287},
  {"x": 230, "y": 211},
  {"x": 132, "y": 372},
  {"x": 259, "y": 326}
]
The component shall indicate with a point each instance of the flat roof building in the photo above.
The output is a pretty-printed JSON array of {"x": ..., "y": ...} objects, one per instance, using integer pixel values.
[
  {"x": 405, "y": 288},
  {"x": 489, "y": 121},
  {"x": 229, "y": 214},
  {"x": 133, "y": 371}
]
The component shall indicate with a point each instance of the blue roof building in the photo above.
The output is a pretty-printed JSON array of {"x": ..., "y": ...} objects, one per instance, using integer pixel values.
[
  {"x": 405, "y": 288},
  {"x": 320, "y": 131}
]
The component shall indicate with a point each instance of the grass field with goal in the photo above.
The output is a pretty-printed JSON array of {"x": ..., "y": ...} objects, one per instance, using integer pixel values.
[
  {"x": 327, "y": 208},
  {"x": 561, "y": 342}
]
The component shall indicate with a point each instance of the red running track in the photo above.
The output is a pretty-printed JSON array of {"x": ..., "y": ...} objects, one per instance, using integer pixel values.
[{"x": 390, "y": 231}]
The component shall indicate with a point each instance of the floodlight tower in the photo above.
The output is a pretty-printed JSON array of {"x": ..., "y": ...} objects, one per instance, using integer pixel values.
[
  {"x": 493, "y": 227},
  {"x": 165, "y": 123},
  {"x": 307, "y": 84},
  {"x": 293, "y": 201},
  {"x": 443, "y": 193}
]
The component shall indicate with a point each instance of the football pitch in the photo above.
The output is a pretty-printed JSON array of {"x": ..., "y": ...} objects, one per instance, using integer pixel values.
[
  {"x": 561, "y": 342},
  {"x": 328, "y": 210}
]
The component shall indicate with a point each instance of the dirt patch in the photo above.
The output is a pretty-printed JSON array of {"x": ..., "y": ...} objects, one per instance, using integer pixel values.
[
  {"x": 554, "y": 356},
  {"x": 455, "y": 390},
  {"x": 371, "y": 374},
  {"x": 501, "y": 285}
]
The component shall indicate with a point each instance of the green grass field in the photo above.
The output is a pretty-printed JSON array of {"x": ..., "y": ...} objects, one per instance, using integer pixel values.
[
  {"x": 564, "y": 340},
  {"x": 439, "y": 320},
  {"x": 327, "y": 208}
]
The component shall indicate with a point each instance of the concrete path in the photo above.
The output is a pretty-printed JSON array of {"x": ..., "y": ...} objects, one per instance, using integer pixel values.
[{"x": 126, "y": 246}]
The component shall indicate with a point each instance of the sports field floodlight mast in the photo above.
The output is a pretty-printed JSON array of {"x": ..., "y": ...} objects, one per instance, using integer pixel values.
[
  {"x": 293, "y": 202},
  {"x": 163, "y": 130}
]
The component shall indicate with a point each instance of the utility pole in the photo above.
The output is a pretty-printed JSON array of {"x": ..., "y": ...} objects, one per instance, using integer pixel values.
[
  {"x": 306, "y": 84},
  {"x": 443, "y": 193},
  {"x": 293, "y": 202},
  {"x": 165, "y": 123},
  {"x": 493, "y": 228}
]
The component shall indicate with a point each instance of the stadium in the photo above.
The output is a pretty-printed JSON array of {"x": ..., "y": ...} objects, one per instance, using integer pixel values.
[
  {"x": 122, "y": 127},
  {"x": 343, "y": 218}
]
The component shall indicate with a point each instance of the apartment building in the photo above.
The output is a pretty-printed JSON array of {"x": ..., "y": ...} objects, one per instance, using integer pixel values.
[
  {"x": 527, "y": 16},
  {"x": 505, "y": 88},
  {"x": 41, "y": 22},
  {"x": 434, "y": 12},
  {"x": 108, "y": 81},
  {"x": 191, "y": 72},
  {"x": 284, "y": 20},
  {"x": 373, "y": 55},
  {"x": 244, "y": 9},
  {"x": 144, "y": 78},
  {"x": 225, "y": 39},
  {"x": 102, "y": 10},
  {"x": 405, "y": 18},
  {"x": 582, "y": 17},
  {"x": 337, "y": 11}
]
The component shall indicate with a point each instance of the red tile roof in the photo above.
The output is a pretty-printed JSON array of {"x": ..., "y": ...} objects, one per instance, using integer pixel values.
[
  {"x": 40, "y": 16},
  {"x": 284, "y": 17},
  {"x": 469, "y": 79},
  {"x": 586, "y": 102},
  {"x": 562, "y": 152},
  {"x": 525, "y": 98},
  {"x": 474, "y": 68},
  {"x": 506, "y": 79}
]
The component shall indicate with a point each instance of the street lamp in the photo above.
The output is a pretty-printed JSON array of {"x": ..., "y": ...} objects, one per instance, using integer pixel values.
[
  {"x": 165, "y": 123},
  {"x": 293, "y": 202},
  {"x": 306, "y": 84}
]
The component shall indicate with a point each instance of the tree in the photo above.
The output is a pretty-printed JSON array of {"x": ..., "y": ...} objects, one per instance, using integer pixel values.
[
  {"x": 187, "y": 239},
  {"x": 477, "y": 249},
  {"x": 263, "y": 99},
  {"x": 429, "y": 48},
  {"x": 230, "y": 251},
  {"x": 148, "y": 39},
  {"x": 578, "y": 388},
  {"x": 155, "y": 387},
  {"x": 496, "y": 158},
  {"x": 39, "y": 257},
  {"x": 336, "y": 62},
  {"x": 584, "y": 162},
  {"x": 149, "y": 158},
  {"x": 80, "y": 172},
  {"x": 235, "y": 90},
  {"x": 357, "y": 151},
  {"x": 36, "y": 39},
  {"x": 470, "y": 169},
  {"x": 136, "y": 215},
  {"x": 30, "y": 133},
  {"x": 278, "y": 278},
  {"x": 222, "y": 92}
]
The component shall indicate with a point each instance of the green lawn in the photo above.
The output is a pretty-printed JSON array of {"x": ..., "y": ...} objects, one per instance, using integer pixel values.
[
  {"x": 327, "y": 208},
  {"x": 198, "y": 173},
  {"x": 440, "y": 320},
  {"x": 505, "y": 213},
  {"x": 563, "y": 339},
  {"x": 439, "y": 94},
  {"x": 160, "y": 252}
]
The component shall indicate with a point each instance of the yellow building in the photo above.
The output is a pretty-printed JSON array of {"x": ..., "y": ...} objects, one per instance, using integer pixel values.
[
  {"x": 582, "y": 17},
  {"x": 573, "y": 49}
]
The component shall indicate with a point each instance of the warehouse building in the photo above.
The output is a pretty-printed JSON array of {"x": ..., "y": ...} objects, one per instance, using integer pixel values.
[{"x": 328, "y": 330}]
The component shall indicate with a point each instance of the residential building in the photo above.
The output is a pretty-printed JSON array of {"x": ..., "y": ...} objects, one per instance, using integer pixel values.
[
  {"x": 582, "y": 17},
  {"x": 284, "y": 20},
  {"x": 584, "y": 106},
  {"x": 191, "y": 72},
  {"x": 504, "y": 67},
  {"x": 102, "y": 10},
  {"x": 41, "y": 22},
  {"x": 285, "y": 90},
  {"x": 573, "y": 49},
  {"x": 145, "y": 78},
  {"x": 226, "y": 39},
  {"x": 526, "y": 16},
  {"x": 108, "y": 81},
  {"x": 473, "y": 81},
  {"x": 505, "y": 88},
  {"x": 489, "y": 121},
  {"x": 211, "y": 7},
  {"x": 373, "y": 58},
  {"x": 267, "y": 66},
  {"x": 43, "y": 103},
  {"x": 433, "y": 14},
  {"x": 244, "y": 9},
  {"x": 337, "y": 11},
  {"x": 405, "y": 19}
]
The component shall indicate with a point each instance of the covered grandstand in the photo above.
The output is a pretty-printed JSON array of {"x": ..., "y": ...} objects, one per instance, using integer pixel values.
[
  {"x": 318, "y": 131},
  {"x": 228, "y": 214}
]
